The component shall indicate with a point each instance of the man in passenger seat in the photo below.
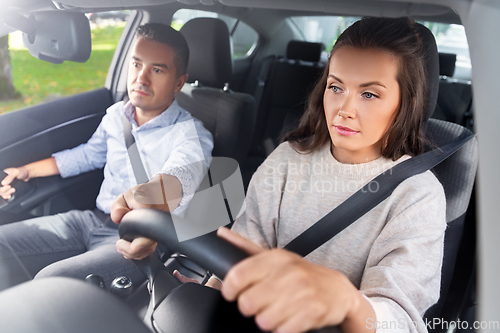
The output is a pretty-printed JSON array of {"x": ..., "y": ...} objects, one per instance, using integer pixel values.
[{"x": 174, "y": 149}]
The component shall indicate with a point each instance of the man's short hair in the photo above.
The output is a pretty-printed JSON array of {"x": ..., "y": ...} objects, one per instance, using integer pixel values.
[{"x": 164, "y": 34}]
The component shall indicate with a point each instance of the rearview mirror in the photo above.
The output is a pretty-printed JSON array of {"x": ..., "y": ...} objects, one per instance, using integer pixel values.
[{"x": 57, "y": 36}]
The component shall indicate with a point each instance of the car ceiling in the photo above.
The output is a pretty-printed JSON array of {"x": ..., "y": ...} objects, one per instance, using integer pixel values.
[
  {"x": 391, "y": 8},
  {"x": 270, "y": 10}
]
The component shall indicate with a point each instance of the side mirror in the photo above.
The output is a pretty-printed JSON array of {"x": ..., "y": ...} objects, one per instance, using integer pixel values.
[{"x": 54, "y": 36}]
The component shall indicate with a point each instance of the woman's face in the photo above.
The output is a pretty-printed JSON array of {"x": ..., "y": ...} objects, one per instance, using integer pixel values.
[{"x": 360, "y": 101}]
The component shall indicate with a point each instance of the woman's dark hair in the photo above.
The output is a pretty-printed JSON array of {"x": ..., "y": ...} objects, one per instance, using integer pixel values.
[
  {"x": 400, "y": 38},
  {"x": 164, "y": 34}
]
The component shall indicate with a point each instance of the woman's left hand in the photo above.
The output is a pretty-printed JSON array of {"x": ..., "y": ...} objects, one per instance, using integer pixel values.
[
  {"x": 286, "y": 293},
  {"x": 213, "y": 282}
]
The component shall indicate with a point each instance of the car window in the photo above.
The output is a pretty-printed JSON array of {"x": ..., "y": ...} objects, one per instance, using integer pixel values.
[
  {"x": 451, "y": 38},
  {"x": 37, "y": 81},
  {"x": 323, "y": 29},
  {"x": 243, "y": 36}
]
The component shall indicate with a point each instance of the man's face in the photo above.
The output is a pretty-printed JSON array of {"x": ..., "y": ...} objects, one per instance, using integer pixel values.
[{"x": 152, "y": 76}]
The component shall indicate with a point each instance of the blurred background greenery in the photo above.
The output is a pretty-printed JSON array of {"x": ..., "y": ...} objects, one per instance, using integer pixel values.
[{"x": 38, "y": 81}]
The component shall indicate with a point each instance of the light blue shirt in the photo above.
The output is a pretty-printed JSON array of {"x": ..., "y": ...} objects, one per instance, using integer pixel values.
[{"x": 173, "y": 143}]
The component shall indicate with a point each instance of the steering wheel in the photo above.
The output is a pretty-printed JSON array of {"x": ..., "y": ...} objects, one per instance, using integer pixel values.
[
  {"x": 208, "y": 250},
  {"x": 175, "y": 313}
]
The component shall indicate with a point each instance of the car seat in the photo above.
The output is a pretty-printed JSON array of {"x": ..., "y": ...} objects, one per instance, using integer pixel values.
[
  {"x": 228, "y": 115},
  {"x": 457, "y": 175},
  {"x": 285, "y": 89},
  {"x": 455, "y": 96},
  {"x": 283, "y": 85}
]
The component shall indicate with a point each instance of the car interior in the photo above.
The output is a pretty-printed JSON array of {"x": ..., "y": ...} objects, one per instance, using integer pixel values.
[{"x": 248, "y": 102}]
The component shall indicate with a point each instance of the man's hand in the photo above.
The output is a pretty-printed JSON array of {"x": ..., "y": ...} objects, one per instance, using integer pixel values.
[
  {"x": 286, "y": 293},
  {"x": 163, "y": 192},
  {"x": 6, "y": 190},
  {"x": 138, "y": 249},
  {"x": 42, "y": 168}
]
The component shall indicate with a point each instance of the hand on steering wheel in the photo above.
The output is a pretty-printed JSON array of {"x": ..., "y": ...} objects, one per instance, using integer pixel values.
[
  {"x": 278, "y": 287},
  {"x": 284, "y": 292},
  {"x": 148, "y": 195},
  {"x": 139, "y": 248}
]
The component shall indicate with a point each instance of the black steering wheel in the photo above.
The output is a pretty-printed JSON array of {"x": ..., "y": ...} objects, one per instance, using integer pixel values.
[{"x": 209, "y": 251}]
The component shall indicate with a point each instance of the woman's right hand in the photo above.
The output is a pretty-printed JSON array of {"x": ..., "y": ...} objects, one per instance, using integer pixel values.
[
  {"x": 6, "y": 190},
  {"x": 287, "y": 293}
]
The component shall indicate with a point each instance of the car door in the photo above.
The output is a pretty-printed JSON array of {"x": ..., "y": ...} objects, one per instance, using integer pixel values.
[{"x": 36, "y": 132}]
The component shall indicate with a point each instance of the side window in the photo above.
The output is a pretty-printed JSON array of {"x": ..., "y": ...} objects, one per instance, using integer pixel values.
[
  {"x": 451, "y": 38},
  {"x": 36, "y": 81},
  {"x": 324, "y": 29},
  {"x": 244, "y": 37}
]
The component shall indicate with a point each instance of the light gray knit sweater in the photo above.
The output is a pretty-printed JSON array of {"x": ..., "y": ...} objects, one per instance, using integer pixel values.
[{"x": 392, "y": 254}]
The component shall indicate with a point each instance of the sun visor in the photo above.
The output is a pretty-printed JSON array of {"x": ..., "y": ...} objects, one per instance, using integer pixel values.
[{"x": 57, "y": 36}]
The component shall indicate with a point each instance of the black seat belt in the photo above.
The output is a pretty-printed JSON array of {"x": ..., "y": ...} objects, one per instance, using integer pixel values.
[
  {"x": 364, "y": 199},
  {"x": 133, "y": 153},
  {"x": 262, "y": 78},
  {"x": 135, "y": 159}
]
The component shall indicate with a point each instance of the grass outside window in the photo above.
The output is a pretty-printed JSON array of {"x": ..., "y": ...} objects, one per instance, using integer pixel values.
[{"x": 39, "y": 81}]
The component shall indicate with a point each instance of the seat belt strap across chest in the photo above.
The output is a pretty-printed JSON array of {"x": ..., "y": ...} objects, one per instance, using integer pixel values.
[
  {"x": 150, "y": 266},
  {"x": 133, "y": 153},
  {"x": 365, "y": 199}
]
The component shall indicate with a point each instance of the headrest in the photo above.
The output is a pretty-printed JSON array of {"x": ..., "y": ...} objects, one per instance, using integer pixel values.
[
  {"x": 447, "y": 64},
  {"x": 306, "y": 51},
  {"x": 210, "y": 51},
  {"x": 431, "y": 68}
]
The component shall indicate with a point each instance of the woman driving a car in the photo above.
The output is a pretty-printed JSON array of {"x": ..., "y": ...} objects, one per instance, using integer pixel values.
[{"x": 382, "y": 272}]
